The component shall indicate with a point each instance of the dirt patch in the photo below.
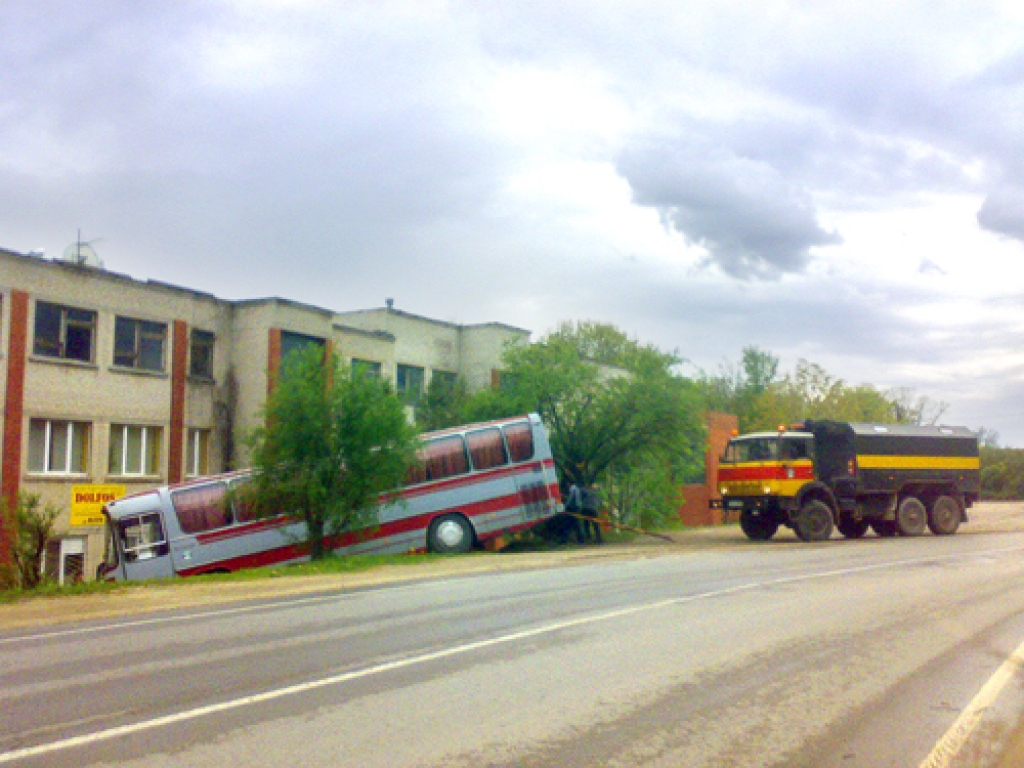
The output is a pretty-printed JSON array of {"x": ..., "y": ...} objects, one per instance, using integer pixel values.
[{"x": 989, "y": 517}]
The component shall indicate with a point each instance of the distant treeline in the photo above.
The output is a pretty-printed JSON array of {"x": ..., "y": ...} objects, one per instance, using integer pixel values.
[{"x": 1002, "y": 473}]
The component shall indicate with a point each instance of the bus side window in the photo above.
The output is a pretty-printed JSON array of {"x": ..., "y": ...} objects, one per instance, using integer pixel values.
[
  {"x": 417, "y": 471},
  {"x": 446, "y": 457},
  {"x": 202, "y": 508},
  {"x": 142, "y": 537},
  {"x": 486, "y": 448},
  {"x": 520, "y": 441},
  {"x": 241, "y": 505}
]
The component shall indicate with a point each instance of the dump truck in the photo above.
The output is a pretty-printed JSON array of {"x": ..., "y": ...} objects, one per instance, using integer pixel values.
[{"x": 822, "y": 475}]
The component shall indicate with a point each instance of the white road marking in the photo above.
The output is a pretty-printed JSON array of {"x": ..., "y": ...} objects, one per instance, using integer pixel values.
[
  {"x": 949, "y": 746},
  {"x": 291, "y": 690},
  {"x": 283, "y": 602}
]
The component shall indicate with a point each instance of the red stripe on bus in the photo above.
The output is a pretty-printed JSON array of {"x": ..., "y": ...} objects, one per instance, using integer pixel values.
[{"x": 471, "y": 510}]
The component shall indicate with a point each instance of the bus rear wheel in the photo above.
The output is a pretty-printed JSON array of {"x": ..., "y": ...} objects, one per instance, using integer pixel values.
[
  {"x": 814, "y": 521},
  {"x": 911, "y": 517},
  {"x": 450, "y": 535},
  {"x": 944, "y": 516},
  {"x": 759, "y": 527}
]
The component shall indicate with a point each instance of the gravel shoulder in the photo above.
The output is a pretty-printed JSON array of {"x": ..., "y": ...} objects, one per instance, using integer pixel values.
[{"x": 987, "y": 517}]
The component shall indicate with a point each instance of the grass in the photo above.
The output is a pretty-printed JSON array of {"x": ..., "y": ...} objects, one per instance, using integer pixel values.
[{"x": 53, "y": 589}]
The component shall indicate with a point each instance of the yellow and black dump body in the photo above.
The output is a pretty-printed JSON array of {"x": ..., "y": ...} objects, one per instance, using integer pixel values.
[{"x": 856, "y": 459}]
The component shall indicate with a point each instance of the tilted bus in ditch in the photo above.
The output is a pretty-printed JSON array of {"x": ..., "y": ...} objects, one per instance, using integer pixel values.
[
  {"x": 894, "y": 479},
  {"x": 471, "y": 484}
]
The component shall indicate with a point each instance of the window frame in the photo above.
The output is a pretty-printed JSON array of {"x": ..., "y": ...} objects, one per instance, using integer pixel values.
[
  {"x": 402, "y": 371},
  {"x": 141, "y": 334},
  {"x": 58, "y": 348},
  {"x": 364, "y": 367},
  {"x": 150, "y": 450},
  {"x": 72, "y": 438},
  {"x": 197, "y": 446},
  {"x": 206, "y": 343}
]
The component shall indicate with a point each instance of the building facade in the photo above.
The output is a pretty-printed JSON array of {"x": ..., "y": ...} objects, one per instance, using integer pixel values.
[{"x": 112, "y": 385}]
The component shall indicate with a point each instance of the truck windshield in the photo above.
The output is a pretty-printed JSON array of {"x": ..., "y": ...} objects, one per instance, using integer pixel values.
[
  {"x": 753, "y": 449},
  {"x": 796, "y": 448}
]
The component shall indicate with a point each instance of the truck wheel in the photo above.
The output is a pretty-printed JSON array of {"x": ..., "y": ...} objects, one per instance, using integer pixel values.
[
  {"x": 853, "y": 529},
  {"x": 450, "y": 535},
  {"x": 885, "y": 529},
  {"x": 944, "y": 516},
  {"x": 911, "y": 517},
  {"x": 814, "y": 521},
  {"x": 758, "y": 527}
]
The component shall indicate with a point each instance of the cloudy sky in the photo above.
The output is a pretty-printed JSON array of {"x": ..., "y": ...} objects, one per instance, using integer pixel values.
[{"x": 840, "y": 182}]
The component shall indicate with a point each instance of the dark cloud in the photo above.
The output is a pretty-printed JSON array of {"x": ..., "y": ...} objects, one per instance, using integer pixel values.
[
  {"x": 752, "y": 222},
  {"x": 1003, "y": 212}
]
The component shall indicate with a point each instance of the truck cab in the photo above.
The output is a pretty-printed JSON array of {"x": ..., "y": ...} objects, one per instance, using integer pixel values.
[{"x": 761, "y": 475}]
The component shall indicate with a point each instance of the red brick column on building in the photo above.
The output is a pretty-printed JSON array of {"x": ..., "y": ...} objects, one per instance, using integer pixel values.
[
  {"x": 179, "y": 377},
  {"x": 14, "y": 413},
  {"x": 273, "y": 357},
  {"x": 695, "y": 509}
]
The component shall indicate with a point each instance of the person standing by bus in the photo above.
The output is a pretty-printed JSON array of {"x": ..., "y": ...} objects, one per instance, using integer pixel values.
[
  {"x": 573, "y": 526},
  {"x": 591, "y": 507}
]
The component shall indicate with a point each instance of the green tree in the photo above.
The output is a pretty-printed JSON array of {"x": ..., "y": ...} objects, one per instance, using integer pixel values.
[
  {"x": 762, "y": 399},
  {"x": 330, "y": 444},
  {"x": 443, "y": 405},
  {"x": 616, "y": 410}
]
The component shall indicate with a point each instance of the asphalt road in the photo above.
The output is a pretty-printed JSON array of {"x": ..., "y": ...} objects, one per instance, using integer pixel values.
[{"x": 855, "y": 654}]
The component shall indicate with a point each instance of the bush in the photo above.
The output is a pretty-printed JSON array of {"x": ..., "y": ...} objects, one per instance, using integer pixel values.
[{"x": 33, "y": 527}]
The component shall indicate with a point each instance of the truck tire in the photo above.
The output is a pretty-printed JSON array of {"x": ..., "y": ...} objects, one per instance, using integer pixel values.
[
  {"x": 884, "y": 529},
  {"x": 852, "y": 529},
  {"x": 758, "y": 527},
  {"x": 944, "y": 516},
  {"x": 814, "y": 521},
  {"x": 911, "y": 517},
  {"x": 450, "y": 535}
]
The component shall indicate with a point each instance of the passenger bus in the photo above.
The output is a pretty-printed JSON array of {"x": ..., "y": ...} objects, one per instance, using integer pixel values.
[{"x": 470, "y": 484}]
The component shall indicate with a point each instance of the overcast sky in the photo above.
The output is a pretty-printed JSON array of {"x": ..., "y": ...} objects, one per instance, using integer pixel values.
[{"x": 840, "y": 182}]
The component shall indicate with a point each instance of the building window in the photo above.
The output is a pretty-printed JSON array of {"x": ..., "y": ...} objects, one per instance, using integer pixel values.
[
  {"x": 134, "y": 450},
  {"x": 139, "y": 344},
  {"x": 369, "y": 368},
  {"x": 197, "y": 453},
  {"x": 64, "y": 332},
  {"x": 200, "y": 354},
  {"x": 444, "y": 379},
  {"x": 57, "y": 447},
  {"x": 410, "y": 382},
  {"x": 291, "y": 342}
]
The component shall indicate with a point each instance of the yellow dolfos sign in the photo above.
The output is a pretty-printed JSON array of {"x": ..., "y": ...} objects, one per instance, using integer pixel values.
[{"x": 87, "y": 503}]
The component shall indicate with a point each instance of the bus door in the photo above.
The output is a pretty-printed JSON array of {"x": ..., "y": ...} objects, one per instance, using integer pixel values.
[
  {"x": 533, "y": 494},
  {"x": 142, "y": 541}
]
